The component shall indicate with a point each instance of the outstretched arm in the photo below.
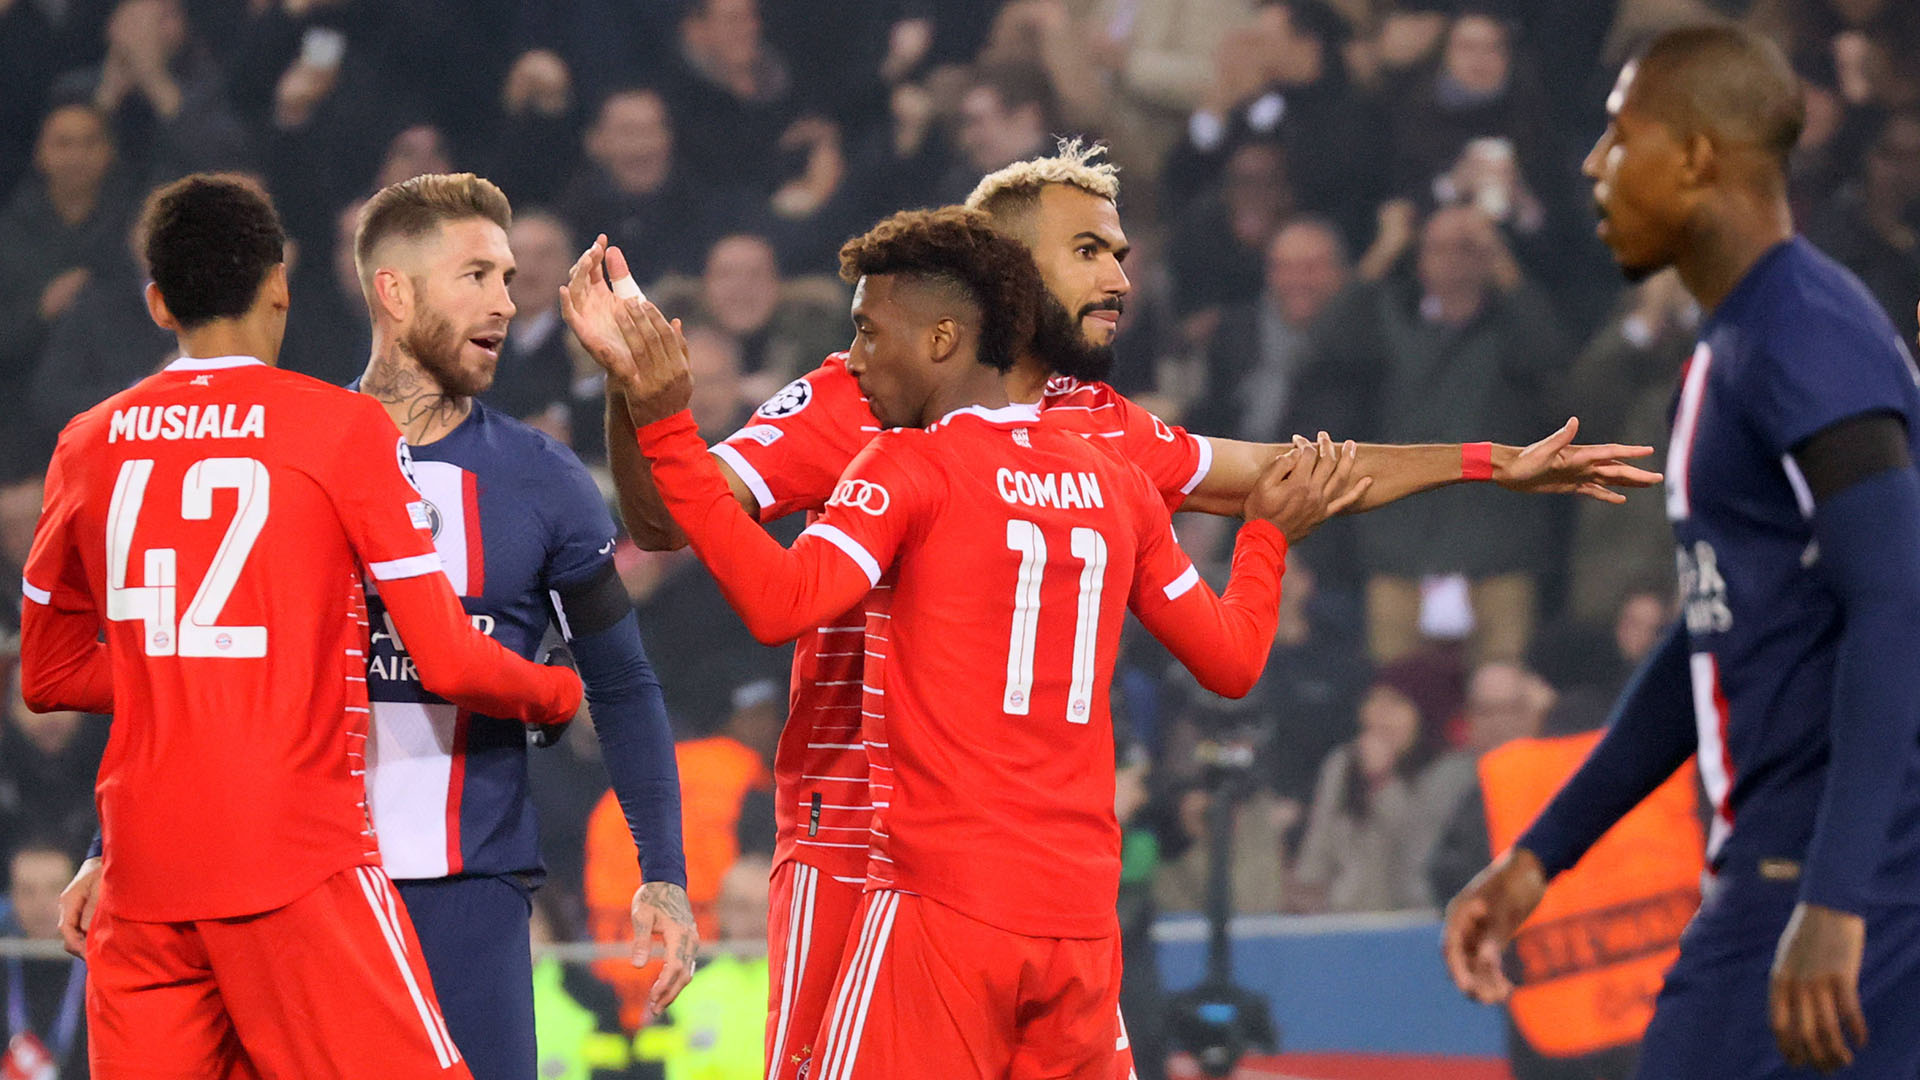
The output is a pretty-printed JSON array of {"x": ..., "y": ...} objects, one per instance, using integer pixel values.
[
  {"x": 1224, "y": 640},
  {"x": 778, "y": 592},
  {"x": 1552, "y": 465}
]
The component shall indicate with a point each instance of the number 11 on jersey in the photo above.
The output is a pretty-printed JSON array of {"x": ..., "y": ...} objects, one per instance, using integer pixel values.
[{"x": 1091, "y": 549}]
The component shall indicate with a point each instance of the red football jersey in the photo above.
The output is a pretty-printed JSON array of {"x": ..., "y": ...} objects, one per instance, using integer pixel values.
[
  {"x": 214, "y": 520},
  {"x": 790, "y": 455},
  {"x": 1017, "y": 547}
]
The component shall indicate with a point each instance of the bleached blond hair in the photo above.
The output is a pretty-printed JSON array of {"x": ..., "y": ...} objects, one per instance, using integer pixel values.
[{"x": 1017, "y": 187}]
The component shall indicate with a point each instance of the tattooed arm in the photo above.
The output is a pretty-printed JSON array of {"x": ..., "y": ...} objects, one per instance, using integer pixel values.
[{"x": 661, "y": 909}]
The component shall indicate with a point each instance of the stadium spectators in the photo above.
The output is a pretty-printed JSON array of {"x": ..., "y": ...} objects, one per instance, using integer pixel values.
[
  {"x": 47, "y": 764},
  {"x": 729, "y": 146},
  {"x": 59, "y": 223},
  {"x": 43, "y": 997},
  {"x": 780, "y": 327}
]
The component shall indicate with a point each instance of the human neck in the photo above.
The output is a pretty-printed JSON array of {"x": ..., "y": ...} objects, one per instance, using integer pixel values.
[
  {"x": 982, "y": 386},
  {"x": 1026, "y": 382},
  {"x": 1730, "y": 238},
  {"x": 231, "y": 337},
  {"x": 73, "y": 205},
  {"x": 420, "y": 408}
]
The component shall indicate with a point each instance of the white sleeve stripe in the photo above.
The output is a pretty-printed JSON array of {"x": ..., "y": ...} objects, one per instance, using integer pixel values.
[
  {"x": 560, "y": 615},
  {"x": 412, "y": 566},
  {"x": 35, "y": 593},
  {"x": 748, "y": 475},
  {"x": 861, "y": 557},
  {"x": 1184, "y": 583},
  {"x": 1201, "y": 470}
]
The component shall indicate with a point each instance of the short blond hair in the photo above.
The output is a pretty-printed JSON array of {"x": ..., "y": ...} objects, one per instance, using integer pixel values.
[
  {"x": 1017, "y": 187},
  {"x": 413, "y": 208}
]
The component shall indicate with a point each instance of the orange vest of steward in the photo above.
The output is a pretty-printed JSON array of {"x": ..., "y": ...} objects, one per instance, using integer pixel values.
[
  {"x": 715, "y": 775},
  {"x": 1591, "y": 958}
]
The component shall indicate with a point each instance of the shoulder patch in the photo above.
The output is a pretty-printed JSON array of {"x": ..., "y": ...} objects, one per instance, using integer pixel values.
[
  {"x": 791, "y": 398},
  {"x": 404, "y": 455},
  {"x": 764, "y": 434}
]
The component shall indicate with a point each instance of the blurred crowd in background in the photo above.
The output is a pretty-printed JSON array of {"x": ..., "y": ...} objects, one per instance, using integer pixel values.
[{"x": 1365, "y": 216}]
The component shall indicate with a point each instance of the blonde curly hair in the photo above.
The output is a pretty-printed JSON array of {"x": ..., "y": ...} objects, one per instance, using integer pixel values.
[{"x": 1016, "y": 188}]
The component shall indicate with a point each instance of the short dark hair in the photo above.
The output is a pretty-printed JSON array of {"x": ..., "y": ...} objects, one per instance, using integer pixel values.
[
  {"x": 958, "y": 249},
  {"x": 415, "y": 207},
  {"x": 209, "y": 240},
  {"x": 1723, "y": 80}
]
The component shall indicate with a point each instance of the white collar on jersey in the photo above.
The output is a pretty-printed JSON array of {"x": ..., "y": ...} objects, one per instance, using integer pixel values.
[
  {"x": 192, "y": 363},
  {"x": 1016, "y": 413}
]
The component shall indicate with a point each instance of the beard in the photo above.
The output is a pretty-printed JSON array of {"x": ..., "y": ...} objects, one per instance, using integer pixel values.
[
  {"x": 1637, "y": 274},
  {"x": 1058, "y": 340},
  {"x": 435, "y": 345}
]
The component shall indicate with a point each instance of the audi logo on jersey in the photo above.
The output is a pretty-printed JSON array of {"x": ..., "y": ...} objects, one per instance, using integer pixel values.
[{"x": 863, "y": 495}]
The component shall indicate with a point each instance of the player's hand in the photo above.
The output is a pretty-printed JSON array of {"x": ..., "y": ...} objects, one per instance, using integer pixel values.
[
  {"x": 660, "y": 909},
  {"x": 77, "y": 903},
  {"x": 661, "y": 383},
  {"x": 542, "y": 736},
  {"x": 587, "y": 304},
  {"x": 1482, "y": 919},
  {"x": 1814, "y": 997},
  {"x": 1554, "y": 465},
  {"x": 1300, "y": 490}
]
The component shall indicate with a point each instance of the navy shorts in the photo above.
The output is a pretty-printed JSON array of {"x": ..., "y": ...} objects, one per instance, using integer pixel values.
[
  {"x": 1711, "y": 1018},
  {"x": 473, "y": 932}
]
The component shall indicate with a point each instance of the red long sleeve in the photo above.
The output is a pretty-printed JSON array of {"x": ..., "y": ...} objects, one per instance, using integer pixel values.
[
  {"x": 63, "y": 664},
  {"x": 778, "y": 592},
  {"x": 467, "y": 667},
  {"x": 1224, "y": 640}
]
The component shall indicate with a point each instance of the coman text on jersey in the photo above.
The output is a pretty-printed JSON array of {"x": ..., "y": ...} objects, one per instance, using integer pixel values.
[{"x": 1065, "y": 491}]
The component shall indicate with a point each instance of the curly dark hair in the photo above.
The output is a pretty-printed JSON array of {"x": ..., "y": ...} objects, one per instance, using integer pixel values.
[
  {"x": 209, "y": 240},
  {"x": 959, "y": 249}
]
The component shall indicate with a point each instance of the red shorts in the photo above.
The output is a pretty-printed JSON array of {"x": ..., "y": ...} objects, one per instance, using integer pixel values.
[
  {"x": 926, "y": 991},
  {"x": 809, "y": 920},
  {"x": 331, "y": 985}
]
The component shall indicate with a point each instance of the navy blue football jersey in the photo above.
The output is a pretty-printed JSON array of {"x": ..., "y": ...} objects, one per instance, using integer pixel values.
[
  {"x": 1798, "y": 346},
  {"x": 515, "y": 517}
]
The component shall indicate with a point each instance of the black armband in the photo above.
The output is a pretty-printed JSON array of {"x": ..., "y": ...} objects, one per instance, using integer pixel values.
[
  {"x": 1835, "y": 458},
  {"x": 590, "y": 606}
]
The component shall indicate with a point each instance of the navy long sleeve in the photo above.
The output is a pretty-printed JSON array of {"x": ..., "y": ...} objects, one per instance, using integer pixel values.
[
  {"x": 1869, "y": 545},
  {"x": 1649, "y": 735},
  {"x": 636, "y": 743}
]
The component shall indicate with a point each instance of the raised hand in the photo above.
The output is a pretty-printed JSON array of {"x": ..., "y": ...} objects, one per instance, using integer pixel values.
[
  {"x": 1555, "y": 465},
  {"x": 588, "y": 306},
  {"x": 661, "y": 381},
  {"x": 1300, "y": 490}
]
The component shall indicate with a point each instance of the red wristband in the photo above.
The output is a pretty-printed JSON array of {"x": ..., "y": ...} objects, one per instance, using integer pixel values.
[{"x": 1476, "y": 461}]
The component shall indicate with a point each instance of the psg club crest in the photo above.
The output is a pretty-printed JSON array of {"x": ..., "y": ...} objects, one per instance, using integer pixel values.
[{"x": 791, "y": 399}]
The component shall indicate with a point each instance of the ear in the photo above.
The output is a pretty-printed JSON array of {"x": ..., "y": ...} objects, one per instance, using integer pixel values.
[
  {"x": 1702, "y": 160},
  {"x": 157, "y": 309},
  {"x": 275, "y": 288},
  {"x": 393, "y": 294},
  {"x": 943, "y": 339}
]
